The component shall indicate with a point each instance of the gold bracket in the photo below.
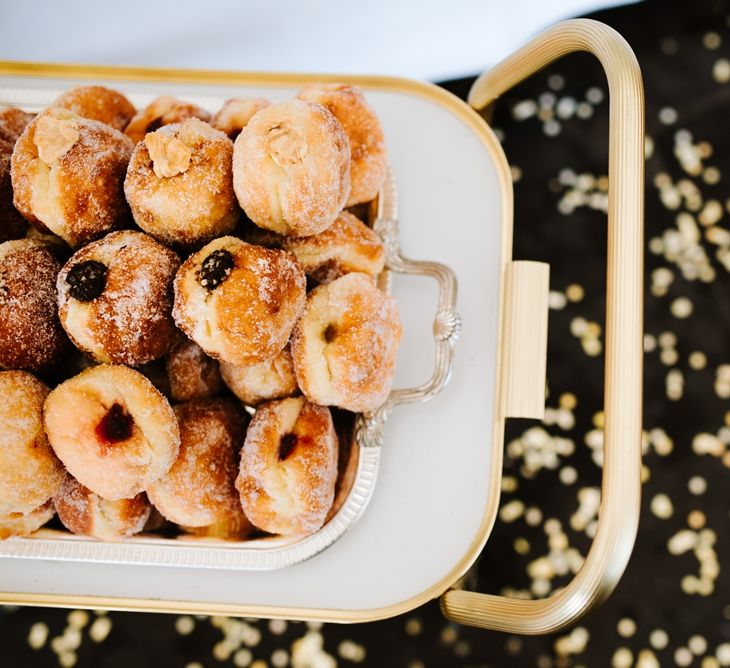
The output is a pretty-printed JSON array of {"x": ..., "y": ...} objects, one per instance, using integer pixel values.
[{"x": 621, "y": 487}]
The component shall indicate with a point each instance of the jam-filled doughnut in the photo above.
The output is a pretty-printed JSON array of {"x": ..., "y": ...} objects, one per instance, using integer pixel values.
[
  {"x": 347, "y": 245},
  {"x": 99, "y": 104},
  {"x": 369, "y": 162},
  {"x": 68, "y": 176},
  {"x": 12, "y": 123},
  {"x": 30, "y": 472},
  {"x": 180, "y": 186},
  {"x": 115, "y": 298},
  {"x": 235, "y": 114},
  {"x": 271, "y": 379},
  {"x": 345, "y": 343},
  {"x": 85, "y": 513},
  {"x": 115, "y": 433},
  {"x": 199, "y": 489},
  {"x": 237, "y": 301},
  {"x": 288, "y": 467},
  {"x": 191, "y": 373},
  {"x": 163, "y": 110},
  {"x": 31, "y": 336},
  {"x": 291, "y": 168},
  {"x": 22, "y": 524}
]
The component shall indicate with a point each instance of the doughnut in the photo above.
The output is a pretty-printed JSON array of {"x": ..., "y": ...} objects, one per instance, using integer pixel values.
[
  {"x": 22, "y": 524},
  {"x": 237, "y": 301},
  {"x": 288, "y": 467},
  {"x": 30, "y": 472},
  {"x": 368, "y": 159},
  {"x": 31, "y": 336},
  {"x": 68, "y": 175},
  {"x": 199, "y": 489},
  {"x": 271, "y": 379},
  {"x": 191, "y": 373},
  {"x": 163, "y": 110},
  {"x": 347, "y": 245},
  {"x": 234, "y": 527},
  {"x": 115, "y": 298},
  {"x": 85, "y": 513},
  {"x": 291, "y": 168},
  {"x": 12, "y": 123},
  {"x": 99, "y": 104},
  {"x": 235, "y": 114},
  {"x": 114, "y": 432},
  {"x": 179, "y": 184},
  {"x": 345, "y": 343}
]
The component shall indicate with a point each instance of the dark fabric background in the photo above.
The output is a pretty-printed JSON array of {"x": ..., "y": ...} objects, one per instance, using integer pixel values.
[{"x": 653, "y": 617}]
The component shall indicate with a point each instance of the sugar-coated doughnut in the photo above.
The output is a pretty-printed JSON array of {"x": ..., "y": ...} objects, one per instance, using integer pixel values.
[
  {"x": 12, "y": 224},
  {"x": 85, "y": 513},
  {"x": 291, "y": 168},
  {"x": 347, "y": 245},
  {"x": 271, "y": 379},
  {"x": 235, "y": 114},
  {"x": 22, "y": 524},
  {"x": 234, "y": 527},
  {"x": 199, "y": 489},
  {"x": 288, "y": 467},
  {"x": 12, "y": 123},
  {"x": 191, "y": 373},
  {"x": 68, "y": 176},
  {"x": 237, "y": 301},
  {"x": 163, "y": 110},
  {"x": 345, "y": 343},
  {"x": 115, "y": 298},
  {"x": 180, "y": 186},
  {"x": 114, "y": 432},
  {"x": 31, "y": 336},
  {"x": 369, "y": 162},
  {"x": 30, "y": 472},
  {"x": 99, "y": 104}
]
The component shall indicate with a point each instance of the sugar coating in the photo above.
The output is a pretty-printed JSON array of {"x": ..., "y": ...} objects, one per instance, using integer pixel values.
[
  {"x": 235, "y": 114},
  {"x": 271, "y": 379},
  {"x": 22, "y": 524},
  {"x": 12, "y": 123},
  {"x": 99, "y": 104},
  {"x": 163, "y": 110},
  {"x": 191, "y": 373}
]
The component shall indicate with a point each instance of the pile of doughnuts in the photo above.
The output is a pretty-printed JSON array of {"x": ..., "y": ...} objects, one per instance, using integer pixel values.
[{"x": 186, "y": 300}]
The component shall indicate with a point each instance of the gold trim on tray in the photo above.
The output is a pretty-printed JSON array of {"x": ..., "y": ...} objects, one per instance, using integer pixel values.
[
  {"x": 423, "y": 90},
  {"x": 621, "y": 487}
]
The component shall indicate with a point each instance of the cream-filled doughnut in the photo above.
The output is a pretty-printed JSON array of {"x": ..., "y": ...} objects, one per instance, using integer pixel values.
[
  {"x": 163, "y": 110},
  {"x": 345, "y": 343},
  {"x": 291, "y": 168},
  {"x": 98, "y": 104},
  {"x": 237, "y": 301},
  {"x": 114, "y": 432},
  {"x": 180, "y": 186},
  {"x": 85, "y": 513},
  {"x": 199, "y": 489},
  {"x": 30, "y": 472},
  {"x": 288, "y": 467},
  {"x": 368, "y": 159},
  {"x": 115, "y": 298},
  {"x": 68, "y": 176}
]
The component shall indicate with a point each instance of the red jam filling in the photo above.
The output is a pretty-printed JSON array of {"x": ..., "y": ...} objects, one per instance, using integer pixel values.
[{"x": 116, "y": 426}]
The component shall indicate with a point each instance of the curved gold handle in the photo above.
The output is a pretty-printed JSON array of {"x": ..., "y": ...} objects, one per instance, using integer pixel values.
[{"x": 621, "y": 486}]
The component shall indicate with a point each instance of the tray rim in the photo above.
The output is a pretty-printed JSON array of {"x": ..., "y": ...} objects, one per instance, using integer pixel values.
[{"x": 482, "y": 132}]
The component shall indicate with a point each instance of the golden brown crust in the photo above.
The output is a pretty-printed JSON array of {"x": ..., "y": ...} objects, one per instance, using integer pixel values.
[
  {"x": 249, "y": 315},
  {"x": 12, "y": 123},
  {"x": 30, "y": 473},
  {"x": 291, "y": 168},
  {"x": 345, "y": 343},
  {"x": 23, "y": 524},
  {"x": 180, "y": 185},
  {"x": 235, "y": 114},
  {"x": 85, "y": 513},
  {"x": 82, "y": 418},
  {"x": 199, "y": 488},
  {"x": 130, "y": 322},
  {"x": 347, "y": 245},
  {"x": 68, "y": 176},
  {"x": 31, "y": 336},
  {"x": 191, "y": 373},
  {"x": 369, "y": 161},
  {"x": 163, "y": 110},
  {"x": 288, "y": 467},
  {"x": 98, "y": 104},
  {"x": 271, "y": 379}
]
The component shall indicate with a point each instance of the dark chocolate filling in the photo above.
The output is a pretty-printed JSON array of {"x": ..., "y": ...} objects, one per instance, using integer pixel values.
[
  {"x": 86, "y": 280},
  {"x": 215, "y": 269}
]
